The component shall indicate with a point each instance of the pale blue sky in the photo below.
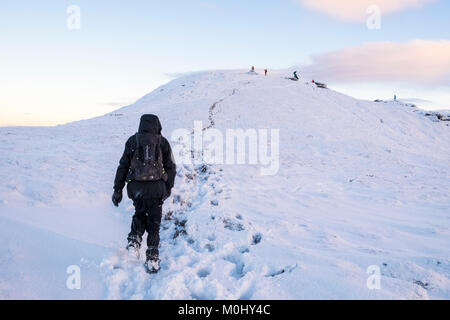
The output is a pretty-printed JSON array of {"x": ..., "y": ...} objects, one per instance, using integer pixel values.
[{"x": 124, "y": 49}]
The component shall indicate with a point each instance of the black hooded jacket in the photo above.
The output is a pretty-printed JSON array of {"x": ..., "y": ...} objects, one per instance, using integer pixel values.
[{"x": 149, "y": 189}]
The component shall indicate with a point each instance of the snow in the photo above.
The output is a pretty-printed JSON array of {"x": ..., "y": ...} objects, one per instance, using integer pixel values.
[{"x": 359, "y": 184}]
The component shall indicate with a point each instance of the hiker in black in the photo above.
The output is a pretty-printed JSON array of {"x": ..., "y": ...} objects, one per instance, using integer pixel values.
[{"x": 148, "y": 168}]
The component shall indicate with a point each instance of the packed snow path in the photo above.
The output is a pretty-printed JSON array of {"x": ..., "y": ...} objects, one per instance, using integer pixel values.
[{"x": 360, "y": 184}]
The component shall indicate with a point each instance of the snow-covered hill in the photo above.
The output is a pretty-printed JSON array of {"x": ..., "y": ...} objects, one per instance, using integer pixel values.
[{"x": 359, "y": 184}]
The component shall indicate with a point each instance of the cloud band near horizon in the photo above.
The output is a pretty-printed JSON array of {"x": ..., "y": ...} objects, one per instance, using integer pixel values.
[{"x": 417, "y": 61}]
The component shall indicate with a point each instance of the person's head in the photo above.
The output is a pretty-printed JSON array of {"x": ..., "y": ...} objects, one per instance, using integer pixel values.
[{"x": 150, "y": 124}]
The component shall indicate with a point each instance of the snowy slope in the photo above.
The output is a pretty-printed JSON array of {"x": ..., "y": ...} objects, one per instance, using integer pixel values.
[{"x": 359, "y": 184}]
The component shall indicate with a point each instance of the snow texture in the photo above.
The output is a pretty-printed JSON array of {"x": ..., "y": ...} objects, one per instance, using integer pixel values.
[{"x": 360, "y": 184}]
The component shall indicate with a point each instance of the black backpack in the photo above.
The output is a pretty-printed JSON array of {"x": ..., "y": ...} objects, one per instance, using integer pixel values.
[{"x": 147, "y": 161}]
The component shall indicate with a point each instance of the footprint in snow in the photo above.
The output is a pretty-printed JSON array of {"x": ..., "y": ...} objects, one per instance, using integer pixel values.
[
  {"x": 233, "y": 225},
  {"x": 203, "y": 273},
  {"x": 256, "y": 238}
]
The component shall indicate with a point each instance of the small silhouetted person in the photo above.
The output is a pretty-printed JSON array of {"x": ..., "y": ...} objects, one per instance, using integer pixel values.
[
  {"x": 295, "y": 75},
  {"x": 265, "y": 72},
  {"x": 253, "y": 69}
]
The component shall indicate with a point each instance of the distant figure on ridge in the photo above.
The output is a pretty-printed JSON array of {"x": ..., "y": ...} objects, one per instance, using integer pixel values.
[
  {"x": 295, "y": 75},
  {"x": 265, "y": 72}
]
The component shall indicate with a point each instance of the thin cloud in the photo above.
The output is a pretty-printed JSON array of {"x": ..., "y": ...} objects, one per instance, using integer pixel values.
[
  {"x": 356, "y": 10},
  {"x": 417, "y": 61}
]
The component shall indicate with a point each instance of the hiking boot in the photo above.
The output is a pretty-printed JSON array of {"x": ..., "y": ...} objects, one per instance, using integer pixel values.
[
  {"x": 133, "y": 249},
  {"x": 152, "y": 265}
]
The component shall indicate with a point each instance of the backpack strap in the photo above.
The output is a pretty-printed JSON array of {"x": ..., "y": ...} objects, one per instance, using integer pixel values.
[
  {"x": 160, "y": 152},
  {"x": 159, "y": 146},
  {"x": 136, "y": 149}
]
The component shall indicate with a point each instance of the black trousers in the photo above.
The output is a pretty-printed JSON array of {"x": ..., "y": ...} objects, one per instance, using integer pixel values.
[{"x": 147, "y": 218}]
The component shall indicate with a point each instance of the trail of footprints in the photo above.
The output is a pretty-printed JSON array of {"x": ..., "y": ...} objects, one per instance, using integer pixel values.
[
  {"x": 206, "y": 181},
  {"x": 201, "y": 184}
]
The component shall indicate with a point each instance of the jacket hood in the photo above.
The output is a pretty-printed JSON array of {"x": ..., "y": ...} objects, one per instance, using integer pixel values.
[{"x": 150, "y": 124}]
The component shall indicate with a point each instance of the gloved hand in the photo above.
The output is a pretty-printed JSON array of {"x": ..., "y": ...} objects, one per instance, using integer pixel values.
[{"x": 117, "y": 197}]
